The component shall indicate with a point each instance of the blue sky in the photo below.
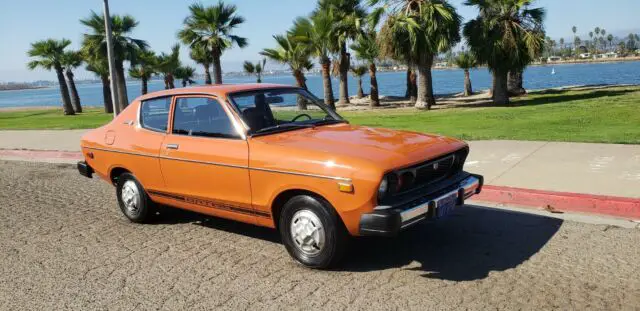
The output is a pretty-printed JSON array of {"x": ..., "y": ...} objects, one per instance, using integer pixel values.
[{"x": 25, "y": 21}]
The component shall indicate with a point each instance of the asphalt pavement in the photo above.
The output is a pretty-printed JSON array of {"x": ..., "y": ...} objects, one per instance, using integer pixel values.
[{"x": 65, "y": 245}]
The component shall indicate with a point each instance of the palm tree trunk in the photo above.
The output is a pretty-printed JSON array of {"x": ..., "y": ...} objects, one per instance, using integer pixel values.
[
  {"x": 207, "y": 74},
  {"x": 514, "y": 82},
  {"x": 412, "y": 86},
  {"x": 106, "y": 94},
  {"x": 360, "y": 92},
  {"x": 500, "y": 89},
  {"x": 300, "y": 82},
  {"x": 344, "y": 75},
  {"x": 144, "y": 85},
  {"x": 375, "y": 100},
  {"x": 170, "y": 81},
  {"x": 64, "y": 91},
  {"x": 425, "y": 85},
  {"x": 326, "y": 82},
  {"x": 467, "y": 83},
  {"x": 217, "y": 68},
  {"x": 122, "y": 86},
  {"x": 75, "y": 99}
]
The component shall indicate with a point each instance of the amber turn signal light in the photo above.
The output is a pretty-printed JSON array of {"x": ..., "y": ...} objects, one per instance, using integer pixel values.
[{"x": 345, "y": 187}]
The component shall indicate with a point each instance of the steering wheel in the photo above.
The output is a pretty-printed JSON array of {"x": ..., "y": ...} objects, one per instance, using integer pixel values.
[{"x": 301, "y": 115}]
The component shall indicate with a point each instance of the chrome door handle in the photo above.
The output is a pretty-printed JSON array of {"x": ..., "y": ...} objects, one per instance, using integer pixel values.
[{"x": 172, "y": 146}]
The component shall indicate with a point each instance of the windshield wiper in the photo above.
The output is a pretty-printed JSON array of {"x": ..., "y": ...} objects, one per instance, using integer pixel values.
[
  {"x": 329, "y": 121},
  {"x": 284, "y": 126}
]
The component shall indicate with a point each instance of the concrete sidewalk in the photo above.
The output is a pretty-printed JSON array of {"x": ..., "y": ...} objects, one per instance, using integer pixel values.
[{"x": 598, "y": 169}]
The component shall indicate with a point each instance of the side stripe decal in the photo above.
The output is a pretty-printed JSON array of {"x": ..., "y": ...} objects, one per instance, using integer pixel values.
[{"x": 210, "y": 203}]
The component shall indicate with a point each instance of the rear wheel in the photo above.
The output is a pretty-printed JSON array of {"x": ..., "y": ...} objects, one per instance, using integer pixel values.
[
  {"x": 312, "y": 232},
  {"x": 133, "y": 199}
]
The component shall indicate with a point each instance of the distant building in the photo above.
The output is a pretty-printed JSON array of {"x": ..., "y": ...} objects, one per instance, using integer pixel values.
[
  {"x": 442, "y": 65},
  {"x": 611, "y": 55},
  {"x": 585, "y": 55},
  {"x": 552, "y": 59}
]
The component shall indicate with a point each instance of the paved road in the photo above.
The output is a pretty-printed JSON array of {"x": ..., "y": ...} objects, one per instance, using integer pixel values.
[{"x": 65, "y": 245}]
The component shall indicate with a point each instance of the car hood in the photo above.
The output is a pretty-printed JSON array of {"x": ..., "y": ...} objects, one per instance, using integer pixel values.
[{"x": 385, "y": 148}]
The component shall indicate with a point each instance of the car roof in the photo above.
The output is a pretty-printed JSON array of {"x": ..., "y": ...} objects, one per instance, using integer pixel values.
[{"x": 216, "y": 89}]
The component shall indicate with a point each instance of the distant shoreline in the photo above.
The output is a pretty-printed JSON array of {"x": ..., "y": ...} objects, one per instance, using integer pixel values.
[{"x": 22, "y": 88}]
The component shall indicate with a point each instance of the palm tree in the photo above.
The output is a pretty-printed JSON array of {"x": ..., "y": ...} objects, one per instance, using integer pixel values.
[
  {"x": 507, "y": 36},
  {"x": 347, "y": 15},
  {"x": 358, "y": 72},
  {"x": 610, "y": 39},
  {"x": 48, "y": 55},
  {"x": 427, "y": 27},
  {"x": 561, "y": 45},
  {"x": 212, "y": 27},
  {"x": 256, "y": 69},
  {"x": 101, "y": 69},
  {"x": 591, "y": 40},
  {"x": 294, "y": 53},
  {"x": 144, "y": 68},
  {"x": 70, "y": 61},
  {"x": 466, "y": 61},
  {"x": 366, "y": 48},
  {"x": 201, "y": 55},
  {"x": 317, "y": 32},
  {"x": 167, "y": 65},
  {"x": 185, "y": 74},
  {"x": 394, "y": 44},
  {"x": 124, "y": 47}
]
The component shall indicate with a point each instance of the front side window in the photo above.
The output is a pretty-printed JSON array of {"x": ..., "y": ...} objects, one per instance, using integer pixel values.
[
  {"x": 275, "y": 110},
  {"x": 202, "y": 116},
  {"x": 154, "y": 114}
]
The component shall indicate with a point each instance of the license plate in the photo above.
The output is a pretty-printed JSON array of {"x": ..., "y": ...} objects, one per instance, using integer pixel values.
[{"x": 446, "y": 205}]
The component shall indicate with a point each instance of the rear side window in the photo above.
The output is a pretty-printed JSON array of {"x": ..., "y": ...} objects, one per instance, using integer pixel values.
[
  {"x": 202, "y": 116},
  {"x": 154, "y": 114}
]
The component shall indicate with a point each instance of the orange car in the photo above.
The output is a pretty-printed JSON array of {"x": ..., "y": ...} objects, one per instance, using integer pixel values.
[{"x": 276, "y": 156}]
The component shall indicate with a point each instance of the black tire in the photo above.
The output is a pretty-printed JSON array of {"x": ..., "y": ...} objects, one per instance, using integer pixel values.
[
  {"x": 144, "y": 206},
  {"x": 335, "y": 233}
]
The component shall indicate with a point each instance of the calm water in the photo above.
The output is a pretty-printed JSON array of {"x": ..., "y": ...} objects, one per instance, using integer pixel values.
[{"x": 390, "y": 83}]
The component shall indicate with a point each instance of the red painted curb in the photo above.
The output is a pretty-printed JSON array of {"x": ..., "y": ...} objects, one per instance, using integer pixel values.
[
  {"x": 42, "y": 154},
  {"x": 562, "y": 201}
]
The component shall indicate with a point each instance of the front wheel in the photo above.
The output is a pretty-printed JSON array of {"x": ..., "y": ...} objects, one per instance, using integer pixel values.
[
  {"x": 133, "y": 199},
  {"x": 312, "y": 232}
]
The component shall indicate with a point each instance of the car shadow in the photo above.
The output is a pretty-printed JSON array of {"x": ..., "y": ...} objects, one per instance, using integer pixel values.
[
  {"x": 467, "y": 245},
  {"x": 170, "y": 216}
]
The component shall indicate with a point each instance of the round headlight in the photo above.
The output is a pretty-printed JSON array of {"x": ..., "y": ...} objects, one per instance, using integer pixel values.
[{"x": 383, "y": 188}]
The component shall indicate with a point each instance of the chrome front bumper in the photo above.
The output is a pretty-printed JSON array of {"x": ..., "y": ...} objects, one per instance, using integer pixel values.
[{"x": 389, "y": 220}]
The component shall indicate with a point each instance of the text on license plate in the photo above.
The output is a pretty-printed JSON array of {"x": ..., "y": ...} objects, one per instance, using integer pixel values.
[{"x": 446, "y": 205}]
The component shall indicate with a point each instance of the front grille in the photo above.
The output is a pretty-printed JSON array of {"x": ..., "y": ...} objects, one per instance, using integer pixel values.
[{"x": 428, "y": 172}]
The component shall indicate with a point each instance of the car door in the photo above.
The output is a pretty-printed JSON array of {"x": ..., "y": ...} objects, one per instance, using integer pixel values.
[{"x": 204, "y": 160}]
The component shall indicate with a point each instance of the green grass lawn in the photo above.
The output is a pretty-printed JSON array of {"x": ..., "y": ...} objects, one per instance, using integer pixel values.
[
  {"x": 604, "y": 116},
  {"x": 52, "y": 119},
  {"x": 609, "y": 115}
]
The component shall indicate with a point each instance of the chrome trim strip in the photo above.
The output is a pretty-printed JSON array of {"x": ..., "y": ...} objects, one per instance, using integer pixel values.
[
  {"x": 203, "y": 162},
  {"x": 223, "y": 164},
  {"x": 123, "y": 152},
  {"x": 300, "y": 174}
]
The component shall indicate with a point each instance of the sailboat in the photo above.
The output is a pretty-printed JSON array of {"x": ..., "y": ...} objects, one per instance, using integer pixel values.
[{"x": 553, "y": 71}]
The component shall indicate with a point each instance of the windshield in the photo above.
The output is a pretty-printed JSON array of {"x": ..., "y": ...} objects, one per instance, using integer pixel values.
[{"x": 275, "y": 110}]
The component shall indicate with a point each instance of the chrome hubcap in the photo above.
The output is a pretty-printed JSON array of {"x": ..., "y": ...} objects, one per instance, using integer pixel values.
[
  {"x": 307, "y": 232},
  {"x": 130, "y": 196}
]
